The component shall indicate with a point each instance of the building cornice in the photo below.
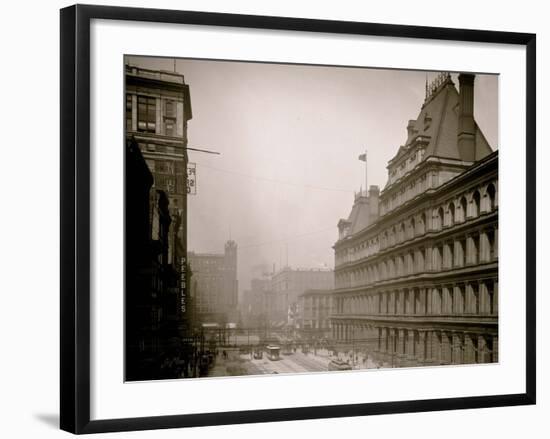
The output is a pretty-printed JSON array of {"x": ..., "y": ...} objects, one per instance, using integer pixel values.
[
  {"x": 447, "y": 322},
  {"x": 426, "y": 279},
  {"x": 427, "y": 238}
]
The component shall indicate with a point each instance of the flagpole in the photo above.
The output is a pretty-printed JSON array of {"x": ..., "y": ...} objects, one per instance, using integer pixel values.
[{"x": 366, "y": 171}]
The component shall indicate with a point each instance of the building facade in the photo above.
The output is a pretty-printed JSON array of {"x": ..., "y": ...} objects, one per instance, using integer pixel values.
[
  {"x": 314, "y": 311},
  {"x": 214, "y": 284},
  {"x": 253, "y": 305},
  {"x": 157, "y": 110},
  {"x": 152, "y": 281},
  {"x": 417, "y": 282},
  {"x": 287, "y": 285},
  {"x": 158, "y": 107}
]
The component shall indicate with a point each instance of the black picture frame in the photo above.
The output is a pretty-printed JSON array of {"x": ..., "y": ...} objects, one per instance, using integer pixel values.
[{"x": 75, "y": 217}]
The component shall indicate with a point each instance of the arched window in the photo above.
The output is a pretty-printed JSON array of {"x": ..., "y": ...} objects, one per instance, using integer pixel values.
[
  {"x": 413, "y": 228},
  {"x": 475, "y": 299},
  {"x": 420, "y": 260},
  {"x": 451, "y": 214},
  {"x": 401, "y": 232},
  {"x": 464, "y": 208},
  {"x": 461, "y": 256},
  {"x": 491, "y": 193},
  {"x": 475, "y": 250},
  {"x": 491, "y": 299},
  {"x": 441, "y": 217},
  {"x": 492, "y": 253},
  {"x": 422, "y": 223},
  {"x": 476, "y": 199}
]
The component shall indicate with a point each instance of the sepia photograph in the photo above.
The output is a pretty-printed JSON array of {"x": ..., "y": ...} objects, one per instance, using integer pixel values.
[{"x": 292, "y": 218}]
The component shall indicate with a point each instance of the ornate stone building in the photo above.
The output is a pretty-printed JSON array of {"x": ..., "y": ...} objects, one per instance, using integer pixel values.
[{"x": 416, "y": 265}]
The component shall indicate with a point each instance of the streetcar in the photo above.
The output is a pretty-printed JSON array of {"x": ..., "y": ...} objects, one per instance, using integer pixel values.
[
  {"x": 339, "y": 365},
  {"x": 273, "y": 352},
  {"x": 288, "y": 349}
]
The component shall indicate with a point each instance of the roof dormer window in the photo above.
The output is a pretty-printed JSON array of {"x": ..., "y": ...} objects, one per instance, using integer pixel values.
[{"x": 427, "y": 121}]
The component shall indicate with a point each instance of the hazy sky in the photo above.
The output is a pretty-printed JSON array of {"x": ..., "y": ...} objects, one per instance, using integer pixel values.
[{"x": 289, "y": 138}]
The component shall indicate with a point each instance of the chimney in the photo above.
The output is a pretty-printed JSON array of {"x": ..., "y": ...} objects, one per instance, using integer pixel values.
[
  {"x": 466, "y": 125},
  {"x": 374, "y": 193},
  {"x": 410, "y": 128}
]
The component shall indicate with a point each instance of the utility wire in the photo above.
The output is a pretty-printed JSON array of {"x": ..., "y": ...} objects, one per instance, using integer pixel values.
[
  {"x": 255, "y": 177},
  {"x": 275, "y": 241}
]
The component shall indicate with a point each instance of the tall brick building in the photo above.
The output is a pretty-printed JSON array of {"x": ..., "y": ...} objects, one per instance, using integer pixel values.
[
  {"x": 157, "y": 111},
  {"x": 214, "y": 284},
  {"x": 158, "y": 107},
  {"x": 416, "y": 265}
]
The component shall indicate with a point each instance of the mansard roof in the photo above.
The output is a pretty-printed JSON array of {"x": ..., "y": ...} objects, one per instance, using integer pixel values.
[
  {"x": 437, "y": 124},
  {"x": 359, "y": 215}
]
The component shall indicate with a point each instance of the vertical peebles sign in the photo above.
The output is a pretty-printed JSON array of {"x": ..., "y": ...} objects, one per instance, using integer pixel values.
[
  {"x": 191, "y": 178},
  {"x": 183, "y": 285}
]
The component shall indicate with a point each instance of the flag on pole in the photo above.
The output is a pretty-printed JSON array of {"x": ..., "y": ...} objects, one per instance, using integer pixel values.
[{"x": 363, "y": 158}]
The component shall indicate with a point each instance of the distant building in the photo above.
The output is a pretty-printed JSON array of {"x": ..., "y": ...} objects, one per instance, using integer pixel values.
[
  {"x": 215, "y": 286},
  {"x": 285, "y": 288},
  {"x": 314, "y": 312},
  {"x": 253, "y": 304},
  {"x": 417, "y": 283}
]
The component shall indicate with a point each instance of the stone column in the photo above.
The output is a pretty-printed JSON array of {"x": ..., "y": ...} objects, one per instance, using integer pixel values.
[
  {"x": 484, "y": 299},
  {"x": 469, "y": 249},
  {"x": 429, "y": 348},
  {"x": 456, "y": 253},
  {"x": 429, "y": 300},
  {"x": 468, "y": 349},
  {"x": 428, "y": 260},
  {"x": 467, "y": 298},
  {"x": 421, "y": 351},
  {"x": 483, "y": 356},
  {"x": 444, "y": 350},
  {"x": 455, "y": 346},
  {"x": 484, "y": 247},
  {"x": 438, "y": 348},
  {"x": 411, "y": 348}
]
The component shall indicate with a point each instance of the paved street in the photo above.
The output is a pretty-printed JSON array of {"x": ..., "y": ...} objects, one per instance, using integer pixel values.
[
  {"x": 242, "y": 364},
  {"x": 294, "y": 363}
]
